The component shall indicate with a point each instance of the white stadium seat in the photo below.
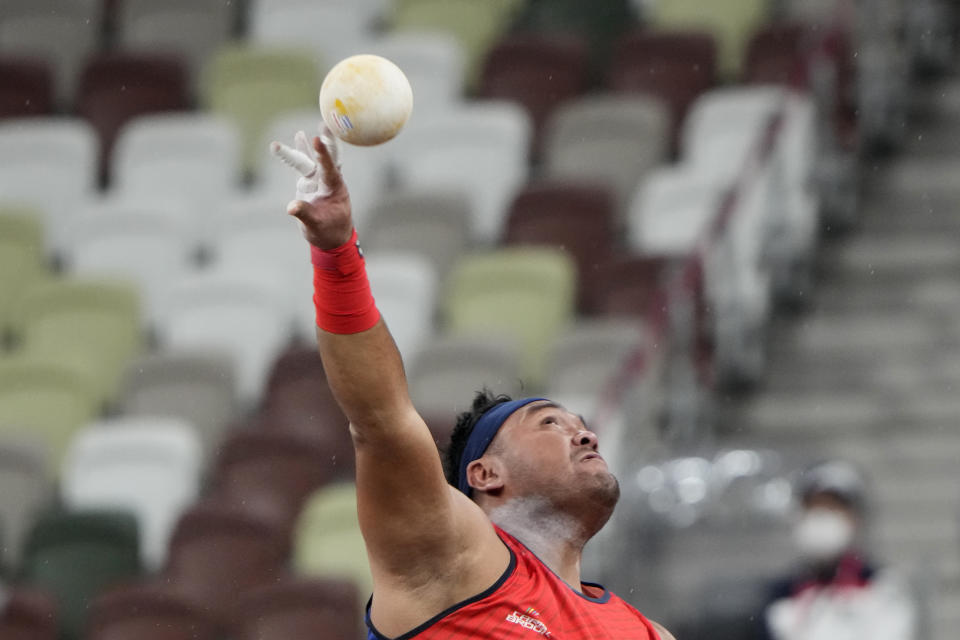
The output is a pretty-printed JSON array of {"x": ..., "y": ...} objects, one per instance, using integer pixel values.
[
  {"x": 405, "y": 288},
  {"x": 195, "y": 155},
  {"x": 241, "y": 311},
  {"x": 481, "y": 147},
  {"x": 50, "y": 163},
  {"x": 149, "y": 466}
]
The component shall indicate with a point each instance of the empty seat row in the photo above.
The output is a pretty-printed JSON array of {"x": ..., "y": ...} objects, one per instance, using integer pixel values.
[{"x": 84, "y": 571}]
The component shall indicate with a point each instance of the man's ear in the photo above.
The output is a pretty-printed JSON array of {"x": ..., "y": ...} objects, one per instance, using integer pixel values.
[{"x": 485, "y": 474}]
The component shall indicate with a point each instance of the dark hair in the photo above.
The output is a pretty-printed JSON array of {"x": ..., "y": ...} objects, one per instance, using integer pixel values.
[{"x": 466, "y": 421}]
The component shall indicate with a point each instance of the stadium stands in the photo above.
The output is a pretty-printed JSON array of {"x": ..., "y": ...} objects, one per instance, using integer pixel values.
[{"x": 682, "y": 169}]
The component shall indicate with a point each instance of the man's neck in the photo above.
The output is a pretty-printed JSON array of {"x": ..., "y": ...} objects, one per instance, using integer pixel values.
[{"x": 556, "y": 538}]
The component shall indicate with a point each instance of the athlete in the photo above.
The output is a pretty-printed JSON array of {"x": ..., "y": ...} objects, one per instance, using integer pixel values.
[{"x": 492, "y": 549}]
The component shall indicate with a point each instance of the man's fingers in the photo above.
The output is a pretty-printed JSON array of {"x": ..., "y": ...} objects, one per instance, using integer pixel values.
[
  {"x": 331, "y": 172},
  {"x": 299, "y": 161}
]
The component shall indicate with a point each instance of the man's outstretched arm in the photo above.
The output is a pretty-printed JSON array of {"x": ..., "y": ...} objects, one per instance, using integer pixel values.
[{"x": 422, "y": 536}]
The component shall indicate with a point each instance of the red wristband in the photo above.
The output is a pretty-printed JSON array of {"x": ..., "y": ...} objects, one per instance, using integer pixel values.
[{"x": 341, "y": 291}]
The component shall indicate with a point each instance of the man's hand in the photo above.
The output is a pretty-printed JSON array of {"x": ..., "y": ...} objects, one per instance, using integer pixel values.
[{"x": 322, "y": 204}]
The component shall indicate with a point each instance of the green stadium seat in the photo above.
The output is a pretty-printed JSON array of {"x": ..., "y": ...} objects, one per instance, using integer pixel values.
[
  {"x": 732, "y": 22},
  {"x": 45, "y": 399},
  {"x": 94, "y": 324},
  {"x": 21, "y": 256},
  {"x": 599, "y": 22},
  {"x": 526, "y": 294},
  {"x": 253, "y": 85},
  {"x": 475, "y": 24},
  {"x": 77, "y": 555},
  {"x": 327, "y": 541}
]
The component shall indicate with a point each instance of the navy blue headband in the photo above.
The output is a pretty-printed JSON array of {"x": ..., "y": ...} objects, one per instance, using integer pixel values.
[{"x": 483, "y": 433}]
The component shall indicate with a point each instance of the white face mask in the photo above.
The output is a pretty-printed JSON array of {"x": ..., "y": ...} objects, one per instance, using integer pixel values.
[{"x": 823, "y": 534}]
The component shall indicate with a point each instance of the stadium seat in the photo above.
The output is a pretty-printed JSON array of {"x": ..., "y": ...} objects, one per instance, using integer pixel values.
[
  {"x": 26, "y": 87},
  {"x": 190, "y": 29},
  {"x": 730, "y": 21},
  {"x": 476, "y": 25},
  {"x": 22, "y": 260},
  {"x": 575, "y": 217},
  {"x": 626, "y": 285},
  {"x": 148, "y": 611},
  {"x": 94, "y": 324},
  {"x": 729, "y": 124},
  {"x": 599, "y": 22},
  {"x": 432, "y": 223},
  {"x": 193, "y": 155},
  {"x": 675, "y": 66},
  {"x": 253, "y": 85},
  {"x": 365, "y": 169},
  {"x": 66, "y": 148},
  {"x": 295, "y": 609},
  {"x": 253, "y": 236},
  {"x": 61, "y": 33},
  {"x": 147, "y": 466},
  {"x": 612, "y": 139},
  {"x": 331, "y": 30},
  {"x": 328, "y": 542},
  {"x": 76, "y": 555},
  {"x": 775, "y": 54},
  {"x": 299, "y": 402},
  {"x": 583, "y": 359},
  {"x": 26, "y": 491},
  {"x": 538, "y": 71},
  {"x": 491, "y": 137},
  {"x": 450, "y": 369},
  {"x": 269, "y": 474},
  {"x": 241, "y": 311},
  {"x": 217, "y": 553},
  {"x": 433, "y": 63},
  {"x": 195, "y": 386},
  {"x": 537, "y": 284},
  {"x": 405, "y": 287},
  {"x": 673, "y": 210},
  {"x": 116, "y": 87},
  {"x": 47, "y": 400},
  {"x": 140, "y": 244},
  {"x": 28, "y": 614}
]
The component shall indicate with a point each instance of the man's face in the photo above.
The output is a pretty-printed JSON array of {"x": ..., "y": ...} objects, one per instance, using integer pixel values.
[{"x": 548, "y": 452}]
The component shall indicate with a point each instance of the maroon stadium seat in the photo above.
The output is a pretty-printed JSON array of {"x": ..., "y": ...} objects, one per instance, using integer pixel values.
[
  {"x": 537, "y": 70},
  {"x": 217, "y": 553},
  {"x": 29, "y": 614},
  {"x": 26, "y": 87},
  {"x": 626, "y": 286},
  {"x": 298, "y": 399},
  {"x": 575, "y": 217},
  {"x": 676, "y": 66},
  {"x": 269, "y": 474},
  {"x": 148, "y": 612},
  {"x": 114, "y": 88},
  {"x": 300, "y": 610},
  {"x": 776, "y": 55}
]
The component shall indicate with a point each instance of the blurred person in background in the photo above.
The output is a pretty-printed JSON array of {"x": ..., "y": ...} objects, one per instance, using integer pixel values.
[
  {"x": 836, "y": 593},
  {"x": 492, "y": 548}
]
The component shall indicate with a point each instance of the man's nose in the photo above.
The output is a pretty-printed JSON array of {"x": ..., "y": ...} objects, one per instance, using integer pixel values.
[{"x": 586, "y": 439}]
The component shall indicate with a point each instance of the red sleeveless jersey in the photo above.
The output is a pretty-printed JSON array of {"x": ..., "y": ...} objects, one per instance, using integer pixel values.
[{"x": 530, "y": 601}]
